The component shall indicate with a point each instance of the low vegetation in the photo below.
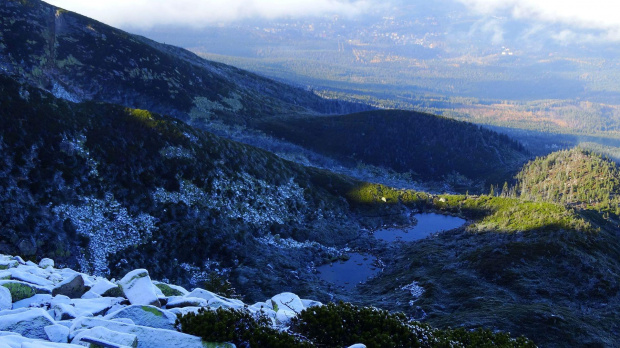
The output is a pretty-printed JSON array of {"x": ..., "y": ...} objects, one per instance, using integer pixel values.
[{"x": 336, "y": 325}]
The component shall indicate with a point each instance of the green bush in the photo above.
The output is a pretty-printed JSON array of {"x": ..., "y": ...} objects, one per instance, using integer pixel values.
[
  {"x": 237, "y": 326},
  {"x": 343, "y": 324}
]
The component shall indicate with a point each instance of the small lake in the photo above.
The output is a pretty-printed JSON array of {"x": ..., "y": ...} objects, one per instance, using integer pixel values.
[
  {"x": 427, "y": 224},
  {"x": 348, "y": 274}
]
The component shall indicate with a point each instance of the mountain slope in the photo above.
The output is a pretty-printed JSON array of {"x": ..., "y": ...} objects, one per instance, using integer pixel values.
[
  {"x": 576, "y": 177},
  {"x": 111, "y": 188},
  {"x": 431, "y": 146},
  {"x": 81, "y": 59}
]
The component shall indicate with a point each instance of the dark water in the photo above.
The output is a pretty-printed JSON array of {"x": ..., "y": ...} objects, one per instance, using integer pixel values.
[
  {"x": 349, "y": 273},
  {"x": 427, "y": 225}
]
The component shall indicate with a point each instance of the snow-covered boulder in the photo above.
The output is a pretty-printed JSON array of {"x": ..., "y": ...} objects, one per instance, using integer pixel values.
[
  {"x": 170, "y": 289},
  {"x": 284, "y": 316},
  {"x": 184, "y": 310},
  {"x": 214, "y": 300},
  {"x": 7, "y": 264},
  {"x": 6, "y": 301},
  {"x": 45, "y": 263},
  {"x": 30, "y": 323},
  {"x": 63, "y": 311},
  {"x": 57, "y": 333},
  {"x": 182, "y": 301},
  {"x": 18, "y": 341},
  {"x": 19, "y": 260},
  {"x": 287, "y": 301},
  {"x": 21, "y": 290},
  {"x": 147, "y": 336},
  {"x": 100, "y": 336},
  {"x": 38, "y": 300},
  {"x": 73, "y": 287},
  {"x": 310, "y": 303},
  {"x": 95, "y": 306},
  {"x": 19, "y": 274},
  {"x": 146, "y": 316},
  {"x": 139, "y": 289}
]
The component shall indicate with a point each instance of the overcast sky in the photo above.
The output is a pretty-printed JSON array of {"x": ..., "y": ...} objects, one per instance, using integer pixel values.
[
  {"x": 597, "y": 15},
  {"x": 602, "y": 16}
]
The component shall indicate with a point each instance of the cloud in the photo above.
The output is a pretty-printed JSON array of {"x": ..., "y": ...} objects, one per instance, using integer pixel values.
[
  {"x": 575, "y": 15},
  {"x": 201, "y": 13}
]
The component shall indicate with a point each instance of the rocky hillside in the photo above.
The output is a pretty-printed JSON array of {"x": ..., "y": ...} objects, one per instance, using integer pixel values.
[
  {"x": 44, "y": 306},
  {"x": 432, "y": 148},
  {"x": 576, "y": 177},
  {"x": 107, "y": 188},
  {"x": 80, "y": 59}
]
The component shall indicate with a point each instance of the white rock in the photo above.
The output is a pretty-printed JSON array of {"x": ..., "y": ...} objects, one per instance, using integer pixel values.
[
  {"x": 201, "y": 293},
  {"x": 57, "y": 333},
  {"x": 36, "y": 270},
  {"x": 45, "y": 263},
  {"x": 105, "y": 335},
  {"x": 60, "y": 299},
  {"x": 30, "y": 263},
  {"x": 55, "y": 277},
  {"x": 5, "y": 275},
  {"x": 90, "y": 295},
  {"x": 5, "y": 299},
  {"x": 138, "y": 288},
  {"x": 13, "y": 311},
  {"x": 218, "y": 302},
  {"x": 184, "y": 310},
  {"x": 357, "y": 345},
  {"x": 310, "y": 303},
  {"x": 66, "y": 323},
  {"x": 63, "y": 311},
  {"x": 147, "y": 336},
  {"x": 95, "y": 306},
  {"x": 284, "y": 316},
  {"x": 215, "y": 300},
  {"x": 150, "y": 316},
  {"x": 259, "y": 305},
  {"x": 7, "y": 264},
  {"x": 180, "y": 289},
  {"x": 19, "y": 260},
  {"x": 38, "y": 300},
  {"x": 18, "y": 274},
  {"x": 30, "y": 323},
  {"x": 182, "y": 301},
  {"x": 34, "y": 289},
  {"x": 287, "y": 301},
  {"x": 101, "y": 285},
  {"x": 41, "y": 344},
  {"x": 124, "y": 320}
]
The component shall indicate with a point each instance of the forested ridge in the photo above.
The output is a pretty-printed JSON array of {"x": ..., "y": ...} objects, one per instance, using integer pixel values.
[{"x": 576, "y": 177}]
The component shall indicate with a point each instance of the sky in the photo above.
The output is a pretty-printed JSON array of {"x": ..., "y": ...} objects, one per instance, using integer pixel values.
[{"x": 580, "y": 20}]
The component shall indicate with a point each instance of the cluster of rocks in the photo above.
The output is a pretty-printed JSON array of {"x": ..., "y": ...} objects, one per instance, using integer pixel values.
[{"x": 42, "y": 306}]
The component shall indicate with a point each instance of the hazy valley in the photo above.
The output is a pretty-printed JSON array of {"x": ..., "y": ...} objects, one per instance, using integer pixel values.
[{"x": 120, "y": 153}]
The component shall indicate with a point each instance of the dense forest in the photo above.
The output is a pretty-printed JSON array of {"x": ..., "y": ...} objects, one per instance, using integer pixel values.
[
  {"x": 575, "y": 177},
  {"x": 431, "y": 148}
]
